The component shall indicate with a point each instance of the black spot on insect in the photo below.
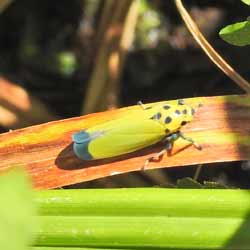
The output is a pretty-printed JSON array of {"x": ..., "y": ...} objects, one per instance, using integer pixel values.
[
  {"x": 148, "y": 107},
  {"x": 192, "y": 111},
  {"x": 167, "y": 131},
  {"x": 184, "y": 111},
  {"x": 156, "y": 116},
  {"x": 168, "y": 119},
  {"x": 183, "y": 123},
  {"x": 166, "y": 107},
  {"x": 178, "y": 112}
]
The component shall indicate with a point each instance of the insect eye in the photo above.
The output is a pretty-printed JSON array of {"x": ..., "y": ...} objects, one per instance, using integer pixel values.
[
  {"x": 180, "y": 102},
  {"x": 183, "y": 123},
  {"x": 166, "y": 107},
  {"x": 156, "y": 116}
]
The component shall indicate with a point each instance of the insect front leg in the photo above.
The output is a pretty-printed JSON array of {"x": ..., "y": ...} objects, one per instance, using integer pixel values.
[
  {"x": 190, "y": 140},
  {"x": 169, "y": 145}
]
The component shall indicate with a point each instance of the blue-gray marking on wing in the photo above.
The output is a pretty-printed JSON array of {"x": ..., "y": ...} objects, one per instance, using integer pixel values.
[
  {"x": 81, "y": 142},
  {"x": 81, "y": 137}
]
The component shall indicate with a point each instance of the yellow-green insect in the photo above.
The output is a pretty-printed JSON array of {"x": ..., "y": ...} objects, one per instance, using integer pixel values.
[{"x": 133, "y": 131}]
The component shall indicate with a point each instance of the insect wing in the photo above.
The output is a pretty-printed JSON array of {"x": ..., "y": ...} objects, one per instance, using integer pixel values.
[{"x": 119, "y": 137}]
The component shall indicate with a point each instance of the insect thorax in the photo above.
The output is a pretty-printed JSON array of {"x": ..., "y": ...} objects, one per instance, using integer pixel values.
[{"x": 172, "y": 116}]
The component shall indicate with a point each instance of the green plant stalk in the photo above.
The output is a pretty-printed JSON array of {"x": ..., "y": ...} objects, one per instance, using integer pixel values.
[
  {"x": 83, "y": 248},
  {"x": 144, "y": 218},
  {"x": 145, "y": 202}
]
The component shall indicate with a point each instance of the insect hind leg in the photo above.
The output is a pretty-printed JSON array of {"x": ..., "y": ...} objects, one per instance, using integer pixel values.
[
  {"x": 169, "y": 140},
  {"x": 156, "y": 157},
  {"x": 168, "y": 148}
]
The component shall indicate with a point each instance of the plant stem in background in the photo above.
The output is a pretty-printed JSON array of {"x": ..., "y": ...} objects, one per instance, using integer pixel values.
[
  {"x": 210, "y": 51},
  {"x": 144, "y": 218}
]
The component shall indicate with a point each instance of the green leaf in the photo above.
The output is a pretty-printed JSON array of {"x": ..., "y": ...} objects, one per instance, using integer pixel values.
[
  {"x": 67, "y": 63},
  {"x": 16, "y": 210},
  {"x": 246, "y": 2},
  {"x": 237, "y": 34},
  {"x": 213, "y": 185},
  {"x": 188, "y": 182}
]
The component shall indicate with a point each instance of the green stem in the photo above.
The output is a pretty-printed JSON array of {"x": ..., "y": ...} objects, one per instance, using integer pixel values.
[
  {"x": 145, "y": 218},
  {"x": 81, "y": 248}
]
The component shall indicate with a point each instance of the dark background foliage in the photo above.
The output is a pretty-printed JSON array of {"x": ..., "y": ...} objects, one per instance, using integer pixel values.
[{"x": 47, "y": 48}]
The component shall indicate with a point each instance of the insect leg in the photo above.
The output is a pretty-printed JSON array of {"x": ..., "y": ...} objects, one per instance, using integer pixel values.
[
  {"x": 169, "y": 140},
  {"x": 169, "y": 145},
  {"x": 190, "y": 140},
  {"x": 156, "y": 157}
]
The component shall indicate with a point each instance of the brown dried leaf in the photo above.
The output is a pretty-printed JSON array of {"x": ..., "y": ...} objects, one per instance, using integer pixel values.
[{"x": 221, "y": 126}]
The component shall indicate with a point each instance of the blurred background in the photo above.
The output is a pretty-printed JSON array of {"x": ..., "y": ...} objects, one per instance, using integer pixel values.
[{"x": 60, "y": 59}]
